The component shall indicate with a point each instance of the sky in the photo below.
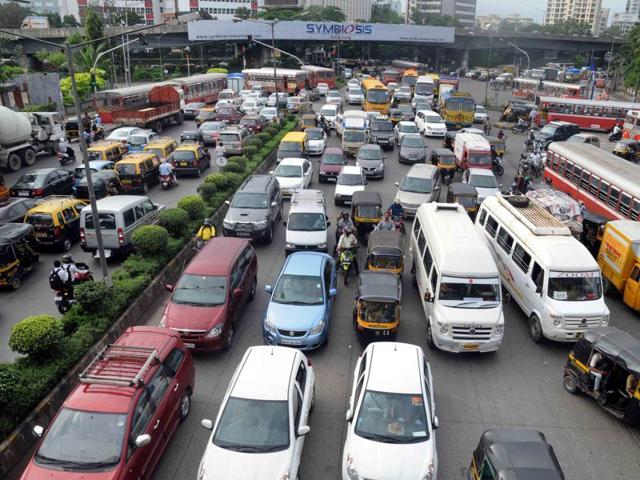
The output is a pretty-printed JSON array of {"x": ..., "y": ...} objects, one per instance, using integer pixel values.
[{"x": 533, "y": 8}]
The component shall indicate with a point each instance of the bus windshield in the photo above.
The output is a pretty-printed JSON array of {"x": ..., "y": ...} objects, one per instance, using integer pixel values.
[
  {"x": 424, "y": 88},
  {"x": 378, "y": 96},
  {"x": 409, "y": 81},
  {"x": 461, "y": 104},
  {"x": 469, "y": 293},
  {"x": 574, "y": 286}
]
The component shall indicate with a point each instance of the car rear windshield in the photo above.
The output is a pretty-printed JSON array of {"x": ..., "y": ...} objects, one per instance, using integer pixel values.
[
  {"x": 369, "y": 154},
  {"x": 107, "y": 221},
  {"x": 413, "y": 142},
  {"x": 137, "y": 140},
  {"x": 315, "y": 134},
  {"x": 183, "y": 155},
  {"x": 354, "y": 136},
  {"x": 126, "y": 168},
  {"x": 200, "y": 290},
  {"x": 288, "y": 171},
  {"x": 29, "y": 179},
  {"x": 416, "y": 185},
  {"x": 229, "y": 137},
  {"x": 250, "y": 200},
  {"x": 298, "y": 290},
  {"x": 40, "y": 219},
  {"x": 484, "y": 181}
]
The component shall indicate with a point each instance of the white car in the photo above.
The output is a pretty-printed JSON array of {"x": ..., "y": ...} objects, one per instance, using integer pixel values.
[
  {"x": 322, "y": 88},
  {"x": 316, "y": 141},
  {"x": 484, "y": 180},
  {"x": 430, "y": 123},
  {"x": 258, "y": 98},
  {"x": 391, "y": 416},
  {"x": 250, "y": 107},
  {"x": 420, "y": 185},
  {"x": 471, "y": 130},
  {"x": 333, "y": 96},
  {"x": 480, "y": 115},
  {"x": 122, "y": 134},
  {"x": 263, "y": 420},
  {"x": 350, "y": 180},
  {"x": 403, "y": 128},
  {"x": 403, "y": 93},
  {"x": 293, "y": 174},
  {"x": 245, "y": 93},
  {"x": 353, "y": 83},
  {"x": 269, "y": 113},
  {"x": 355, "y": 96},
  {"x": 329, "y": 112},
  {"x": 271, "y": 101}
]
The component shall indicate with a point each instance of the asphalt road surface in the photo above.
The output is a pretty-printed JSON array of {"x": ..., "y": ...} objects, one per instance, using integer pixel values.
[{"x": 518, "y": 386}]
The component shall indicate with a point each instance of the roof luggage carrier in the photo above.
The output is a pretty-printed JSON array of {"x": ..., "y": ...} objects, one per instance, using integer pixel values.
[
  {"x": 122, "y": 365},
  {"x": 533, "y": 216},
  {"x": 315, "y": 197},
  {"x": 62, "y": 198}
]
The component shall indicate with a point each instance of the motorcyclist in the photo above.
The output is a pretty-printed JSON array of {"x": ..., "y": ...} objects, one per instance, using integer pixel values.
[
  {"x": 62, "y": 273},
  {"x": 386, "y": 223},
  {"x": 348, "y": 241},
  {"x": 344, "y": 222},
  {"x": 207, "y": 231},
  {"x": 500, "y": 134},
  {"x": 396, "y": 209},
  {"x": 70, "y": 266},
  {"x": 617, "y": 130},
  {"x": 522, "y": 123},
  {"x": 166, "y": 169},
  {"x": 65, "y": 148}
]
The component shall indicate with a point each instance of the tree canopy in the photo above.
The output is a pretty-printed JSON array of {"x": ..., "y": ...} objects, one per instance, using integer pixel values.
[
  {"x": 12, "y": 14},
  {"x": 384, "y": 14},
  {"x": 629, "y": 58}
]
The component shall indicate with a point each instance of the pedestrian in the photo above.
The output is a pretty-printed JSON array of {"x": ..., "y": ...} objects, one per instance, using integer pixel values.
[
  {"x": 533, "y": 114},
  {"x": 86, "y": 121},
  {"x": 487, "y": 125}
]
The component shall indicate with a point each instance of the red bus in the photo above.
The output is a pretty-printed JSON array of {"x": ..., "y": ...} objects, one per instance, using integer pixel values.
[
  {"x": 631, "y": 128},
  {"x": 608, "y": 185},
  {"x": 525, "y": 88},
  {"x": 600, "y": 115},
  {"x": 289, "y": 80},
  {"x": 390, "y": 75},
  {"x": 201, "y": 88},
  {"x": 564, "y": 90},
  {"x": 318, "y": 75}
]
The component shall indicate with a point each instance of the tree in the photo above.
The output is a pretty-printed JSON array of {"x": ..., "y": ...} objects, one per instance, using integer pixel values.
[
  {"x": 120, "y": 17},
  {"x": 630, "y": 60},
  {"x": 85, "y": 58},
  {"x": 55, "y": 58},
  {"x": 70, "y": 21},
  {"x": 568, "y": 27},
  {"x": 94, "y": 28},
  {"x": 579, "y": 60},
  {"x": 279, "y": 14},
  {"x": 243, "y": 13},
  {"x": 384, "y": 14},
  {"x": 418, "y": 17},
  {"x": 12, "y": 14},
  {"x": 84, "y": 84},
  {"x": 54, "y": 20}
]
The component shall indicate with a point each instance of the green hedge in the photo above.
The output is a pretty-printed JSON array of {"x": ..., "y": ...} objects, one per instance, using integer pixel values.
[
  {"x": 175, "y": 220},
  {"x": 37, "y": 336},
  {"x": 250, "y": 151},
  {"x": 233, "y": 167},
  {"x": 193, "y": 205},
  {"x": 90, "y": 295},
  {"x": 208, "y": 192},
  {"x": 150, "y": 240},
  {"x": 254, "y": 142}
]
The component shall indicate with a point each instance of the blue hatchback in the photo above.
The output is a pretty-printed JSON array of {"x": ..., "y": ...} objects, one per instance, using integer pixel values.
[{"x": 299, "y": 311}]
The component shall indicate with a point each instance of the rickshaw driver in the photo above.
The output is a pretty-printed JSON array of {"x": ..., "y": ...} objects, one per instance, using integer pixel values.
[{"x": 599, "y": 366}]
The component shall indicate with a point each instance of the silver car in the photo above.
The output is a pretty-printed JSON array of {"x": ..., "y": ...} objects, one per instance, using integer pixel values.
[
  {"x": 413, "y": 149},
  {"x": 420, "y": 185}
]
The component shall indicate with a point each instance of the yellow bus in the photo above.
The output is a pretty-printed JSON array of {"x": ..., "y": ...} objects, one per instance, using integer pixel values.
[
  {"x": 409, "y": 78},
  {"x": 376, "y": 96},
  {"x": 457, "y": 109}
]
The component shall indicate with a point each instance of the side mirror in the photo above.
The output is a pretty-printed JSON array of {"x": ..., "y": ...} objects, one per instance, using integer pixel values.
[
  {"x": 274, "y": 204},
  {"x": 435, "y": 423},
  {"x": 538, "y": 289},
  {"x": 333, "y": 292},
  {"x": 142, "y": 440},
  {"x": 428, "y": 297},
  {"x": 268, "y": 288},
  {"x": 227, "y": 202},
  {"x": 303, "y": 430},
  {"x": 328, "y": 223},
  {"x": 206, "y": 423},
  {"x": 397, "y": 184},
  {"x": 38, "y": 430},
  {"x": 349, "y": 415},
  {"x": 169, "y": 287}
]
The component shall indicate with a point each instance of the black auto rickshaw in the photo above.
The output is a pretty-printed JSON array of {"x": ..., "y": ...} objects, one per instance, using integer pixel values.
[
  {"x": 445, "y": 160},
  {"x": 448, "y": 140},
  {"x": 605, "y": 365},
  {"x": 497, "y": 144},
  {"x": 105, "y": 183},
  {"x": 376, "y": 313},
  {"x": 385, "y": 251},
  {"x": 395, "y": 115},
  {"x": 628, "y": 149},
  {"x": 366, "y": 211},
  {"x": 72, "y": 128},
  {"x": 514, "y": 453},
  {"x": 592, "y": 231},
  {"x": 17, "y": 258},
  {"x": 464, "y": 194}
]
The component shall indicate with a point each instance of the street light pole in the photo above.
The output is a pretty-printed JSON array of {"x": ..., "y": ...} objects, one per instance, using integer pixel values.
[
  {"x": 486, "y": 85},
  {"x": 523, "y": 52},
  {"x": 275, "y": 70},
  {"x": 100, "y": 55}
]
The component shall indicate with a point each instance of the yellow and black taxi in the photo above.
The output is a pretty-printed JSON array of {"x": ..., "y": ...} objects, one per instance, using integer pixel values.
[
  {"x": 163, "y": 147},
  {"x": 56, "y": 221},
  {"x": 190, "y": 158},
  {"x": 17, "y": 258},
  {"x": 205, "y": 114},
  {"x": 43, "y": 182},
  {"x": 138, "y": 171},
  {"x": 107, "y": 150}
]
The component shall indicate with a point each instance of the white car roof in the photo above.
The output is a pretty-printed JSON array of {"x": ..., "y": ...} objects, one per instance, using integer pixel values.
[
  {"x": 481, "y": 171},
  {"x": 292, "y": 161},
  {"x": 389, "y": 358},
  {"x": 265, "y": 373},
  {"x": 406, "y": 122},
  {"x": 351, "y": 170}
]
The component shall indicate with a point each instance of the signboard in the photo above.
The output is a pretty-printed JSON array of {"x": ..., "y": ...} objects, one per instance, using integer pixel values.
[{"x": 228, "y": 30}]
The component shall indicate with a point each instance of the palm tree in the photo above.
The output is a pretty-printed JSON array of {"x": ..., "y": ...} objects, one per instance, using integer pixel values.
[{"x": 85, "y": 58}]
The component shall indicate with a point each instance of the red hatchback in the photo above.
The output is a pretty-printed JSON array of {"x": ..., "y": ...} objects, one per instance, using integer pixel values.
[
  {"x": 207, "y": 300},
  {"x": 118, "y": 421}
]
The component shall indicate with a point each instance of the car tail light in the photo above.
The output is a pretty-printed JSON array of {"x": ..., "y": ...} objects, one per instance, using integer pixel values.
[
  {"x": 309, "y": 362},
  {"x": 38, "y": 191},
  {"x": 82, "y": 237},
  {"x": 57, "y": 232},
  {"x": 120, "y": 236}
]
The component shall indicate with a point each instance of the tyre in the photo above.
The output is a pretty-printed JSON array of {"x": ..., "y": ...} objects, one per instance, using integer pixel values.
[
  {"x": 535, "y": 329},
  {"x": 430, "y": 343},
  {"x": 185, "y": 406},
  {"x": 16, "y": 282},
  {"x": 346, "y": 278},
  {"x": 228, "y": 338},
  {"x": 518, "y": 201},
  {"x": 570, "y": 383},
  {"x": 313, "y": 402},
  {"x": 269, "y": 237},
  {"x": 252, "y": 293},
  {"x": 14, "y": 162},
  {"x": 180, "y": 118},
  {"x": 63, "y": 307},
  {"x": 29, "y": 157},
  {"x": 145, "y": 187},
  {"x": 158, "y": 127},
  {"x": 66, "y": 245}
]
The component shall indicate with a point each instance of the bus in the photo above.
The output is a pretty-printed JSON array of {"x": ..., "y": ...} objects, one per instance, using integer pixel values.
[
  {"x": 425, "y": 86},
  {"x": 316, "y": 75},
  {"x": 390, "y": 75},
  {"x": 457, "y": 110},
  {"x": 607, "y": 185},
  {"x": 564, "y": 90},
  {"x": 402, "y": 65},
  {"x": 601, "y": 115},
  {"x": 525, "y": 88},
  {"x": 631, "y": 128},
  {"x": 409, "y": 78},
  {"x": 453, "y": 81},
  {"x": 376, "y": 96},
  {"x": 289, "y": 80}
]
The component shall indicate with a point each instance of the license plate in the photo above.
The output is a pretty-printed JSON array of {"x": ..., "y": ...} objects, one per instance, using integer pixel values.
[
  {"x": 190, "y": 345},
  {"x": 243, "y": 234},
  {"x": 41, "y": 235},
  {"x": 58, "y": 299},
  {"x": 290, "y": 342},
  {"x": 471, "y": 346},
  {"x": 126, "y": 182},
  {"x": 184, "y": 164},
  {"x": 23, "y": 194}
]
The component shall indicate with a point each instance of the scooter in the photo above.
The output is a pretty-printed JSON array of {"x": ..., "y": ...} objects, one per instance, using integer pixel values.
[
  {"x": 615, "y": 136},
  {"x": 345, "y": 263},
  {"x": 64, "y": 157},
  {"x": 497, "y": 167},
  {"x": 167, "y": 181},
  {"x": 519, "y": 128},
  {"x": 64, "y": 298}
]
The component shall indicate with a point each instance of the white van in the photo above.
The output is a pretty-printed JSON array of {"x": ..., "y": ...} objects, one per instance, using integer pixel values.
[
  {"x": 458, "y": 280},
  {"x": 351, "y": 119},
  {"x": 551, "y": 275},
  {"x": 307, "y": 223}
]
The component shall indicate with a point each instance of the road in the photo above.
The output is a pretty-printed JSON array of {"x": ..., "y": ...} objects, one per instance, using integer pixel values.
[{"x": 520, "y": 385}]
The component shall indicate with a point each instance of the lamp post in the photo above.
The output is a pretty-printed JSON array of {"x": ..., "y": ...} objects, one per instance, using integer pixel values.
[
  {"x": 486, "y": 85},
  {"x": 100, "y": 55},
  {"x": 511, "y": 44}
]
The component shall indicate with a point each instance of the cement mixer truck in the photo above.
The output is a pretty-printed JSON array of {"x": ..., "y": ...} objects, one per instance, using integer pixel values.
[{"x": 24, "y": 135}]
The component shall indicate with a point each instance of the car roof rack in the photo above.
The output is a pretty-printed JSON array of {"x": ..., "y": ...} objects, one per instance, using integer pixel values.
[
  {"x": 48, "y": 198},
  {"x": 122, "y": 365},
  {"x": 308, "y": 196}
]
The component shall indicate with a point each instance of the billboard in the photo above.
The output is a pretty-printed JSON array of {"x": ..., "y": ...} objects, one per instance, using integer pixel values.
[{"x": 228, "y": 30}]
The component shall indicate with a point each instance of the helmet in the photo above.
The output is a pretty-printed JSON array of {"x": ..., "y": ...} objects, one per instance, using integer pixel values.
[
  {"x": 345, "y": 214},
  {"x": 207, "y": 222},
  {"x": 67, "y": 258},
  {"x": 348, "y": 230}
]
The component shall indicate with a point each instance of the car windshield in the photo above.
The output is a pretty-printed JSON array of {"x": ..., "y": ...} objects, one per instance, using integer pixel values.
[
  {"x": 315, "y": 134},
  {"x": 307, "y": 222},
  {"x": 353, "y": 136},
  {"x": 249, "y": 200},
  {"x": 416, "y": 185},
  {"x": 248, "y": 121},
  {"x": 405, "y": 108},
  {"x": 433, "y": 119},
  {"x": 479, "y": 159},
  {"x": 83, "y": 439},
  {"x": 333, "y": 159},
  {"x": 392, "y": 418},
  {"x": 548, "y": 130},
  {"x": 355, "y": 91},
  {"x": 290, "y": 147},
  {"x": 328, "y": 112},
  {"x": 298, "y": 290},
  {"x": 369, "y": 154},
  {"x": 415, "y": 142},
  {"x": 268, "y": 111},
  {"x": 137, "y": 140},
  {"x": 382, "y": 126},
  {"x": 484, "y": 181},
  {"x": 200, "y": 290},
  {"x": 574, "y": 286},
  {"x": 184, "y": 155},
  {"x": 350, "y": 179},
  {"x": 480, "y": 109},
  {"x": 155, "y": 151},
  {"x": 211, "y": 127},
  {"x": 333, "y": 93},
  {"x": 288, "y": 171},
  {"x": 377, "y": 95},
  {"x": 408, "y": 128},
  {"x": 469, "y": 292},
  {"x": 253, "y": 426},
  {"x": 423, "y": 88}
]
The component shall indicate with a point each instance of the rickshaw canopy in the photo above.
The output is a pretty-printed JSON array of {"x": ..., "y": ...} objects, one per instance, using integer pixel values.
[
  {"x": 14, "y": 232},
  {"x": 379, "y": 287},
  {"x": 385, "y": 242},
  {"x": 617, "y": 344},
  {"x": 463, "y": 190},
  {"x": 366, "y": 198}
]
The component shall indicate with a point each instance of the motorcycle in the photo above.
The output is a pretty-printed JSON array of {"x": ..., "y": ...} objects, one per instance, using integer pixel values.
[
  {"x": 167, "y": 181},
  {"x": 517, "y": 128},
  {"x": 346, "y": 258},
  {"x": 398, "y": 221},
  {"x": 64, "y": 298},
  {"x": 497, "y": 167},
  {"x": 615, "y": 136},
  {"x": 64, "y": 158}
]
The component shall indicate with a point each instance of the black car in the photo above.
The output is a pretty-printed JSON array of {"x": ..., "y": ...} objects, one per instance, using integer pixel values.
[
  {"x": 12, "y": 210},
  {"x": 381, "y": 132},
  {"x": 556, "y": 132},
  {"x": 43, "y": 182},
  {"x": 192, "y": 136}
]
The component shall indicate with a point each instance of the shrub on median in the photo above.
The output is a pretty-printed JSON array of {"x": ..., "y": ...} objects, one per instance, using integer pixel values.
[
  {"x": 207, "y": 191},
  {"x": 193, "y": 205},
  {"x": 254, "y": 142},
  {"x": 90, "y": 295},
  {"x": 36, "y": 336},
  {"x": 233, "y": 167},
  {"x": 250, "y": 151},
  {"x": 150, "y": 240},
  {"x": 175, "y": 220},
  {"x": 264, "y": 136}
]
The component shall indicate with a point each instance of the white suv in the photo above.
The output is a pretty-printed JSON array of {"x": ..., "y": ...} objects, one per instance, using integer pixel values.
[
  {"x": 350, "y": 180},
  {"x": 307, "y": 223},
  {"x": 391, "y": 416},
  {"x": 264, "y": 414},
  {"x": 430, "y": 124}
]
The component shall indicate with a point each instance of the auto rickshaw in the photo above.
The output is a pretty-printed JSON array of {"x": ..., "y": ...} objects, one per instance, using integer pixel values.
[
  {"x": 592, "y": 231},
  {"x": 466, "y": 195},
  {"x": 308, "y": 120},
  {"x": 499, "y": 145},
  {"x": 395, "y": 115},
  {"x": 513, "y": 453},
  {"x": 445, "y": 160},
  {"x": 628, "y": 149},
  {"x": 385, "y": 251},
  {"x": 605, "y": 365},
  {"x": 72, "y": 128},
  {"x": 366, "y": 211},
  {"x": 17, "y": 258},
  {"x": 376, "y": 313}
]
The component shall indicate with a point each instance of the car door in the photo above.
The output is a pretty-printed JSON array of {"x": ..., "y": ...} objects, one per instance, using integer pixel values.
[
  {"x": 329, "y": 283},
  {"x": 141, "y": 460},
  {"x": 236, "y": 283},
  {"x": 66, "y": 182},
  {"x": 164, "y": 401},
  {"x": 307, "y": 171},
  {"x": 632, "y": 287},
  {"x": 301, "y": 404}
]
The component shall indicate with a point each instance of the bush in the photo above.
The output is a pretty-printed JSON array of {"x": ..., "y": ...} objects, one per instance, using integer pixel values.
[
  {"x": 283, "y": 122},
  {"x": 193, "y": 205},
  {"x": 240, "y": 160},
  {"x": 271, "y": 131},
  {"x": 264, "y": 136},
  {"x": 175, "y": 220},
  {"x": 291, "y": 117},
  {"x": 254, "y": 142},
  {"x": 207, "y": 191},
  {"x": 250, "y": 151},
  {"x": 233, "y": 167},
  {"x": 91, "y": 295},
  {"x": 151, "y": 240},
  {"x": 36, "y": 336},
  {"x": 234, "y": 179},
  {"x": 217, "y": 179}
]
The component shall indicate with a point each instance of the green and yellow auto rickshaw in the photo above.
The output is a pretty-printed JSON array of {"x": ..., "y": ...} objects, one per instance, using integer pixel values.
[
  {"x": 466, "y": 195},
  {"x": 376, "y": 313},
  {"x": 385, "y": 251},
  {"x": 366, "y": 211}
]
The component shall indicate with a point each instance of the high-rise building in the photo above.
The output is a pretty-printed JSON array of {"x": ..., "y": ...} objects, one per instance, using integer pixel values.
[
  {"x": 494, "y": 22},
  {"x": 603, "y": 21},
  {"x": 463, "y": 10},
  {"x": 397, "y": 6},
  {"x": 353, "y": 9},
  {"x": 627, "y": 20},
  {"x": 584, "y": 11}
]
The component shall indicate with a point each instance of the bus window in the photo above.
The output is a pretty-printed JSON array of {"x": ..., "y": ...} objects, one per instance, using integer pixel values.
[
  {"x": 625, "y": 202},
  {"x": 568, "y": 170},
  {"x": 635, "y": 209},
  {"x": 604, "y": 191},
  {"x": 595, "y": 183},
  {"x": 614, "y": 196},
  {"x": 584, "y": 183},
  {"x": 577, "y": 173}
]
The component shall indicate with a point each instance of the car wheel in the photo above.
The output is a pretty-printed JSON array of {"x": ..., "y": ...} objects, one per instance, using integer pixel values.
[
  {"x": 570, "y": 383},
  {"x": 16, "y": 282},
  {"x": 185, "y": 405},
  {"x": 66, "y": 245},
  {"x": 145, "y": 188},
  {"x": 313, "y": 402},
  {"x": 228, "y": 338},
  {"x": 158, "y": 127},
  {"x": 430, "y": 343},
  {"x": 535, "y": 329},
  {"x": 14, "y": 162},
  {"x": 269, "y": 237},
  {"x": 252, "y": 293}
]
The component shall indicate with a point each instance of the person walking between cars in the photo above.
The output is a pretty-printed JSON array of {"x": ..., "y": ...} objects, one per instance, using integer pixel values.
[
  {"x": 207, "y": 231},
  {"x": 487, "y": 126}
]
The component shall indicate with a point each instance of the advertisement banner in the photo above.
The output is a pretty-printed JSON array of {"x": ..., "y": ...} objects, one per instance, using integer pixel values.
[{"x": 228, "y": 30}]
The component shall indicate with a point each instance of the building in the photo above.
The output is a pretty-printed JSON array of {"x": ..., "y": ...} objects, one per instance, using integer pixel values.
[
  {"x": 463, "y": 10},
  {"x": 353, "y": 9},
  {"x": 281, "y": 3},
  {"x": 603, "y": 21},
  {"x": 627, "y": 20},
  {"x": 584, "y": 11},
  {"x": 397, "y": 6},
  {"x": 493, "y": 22}
]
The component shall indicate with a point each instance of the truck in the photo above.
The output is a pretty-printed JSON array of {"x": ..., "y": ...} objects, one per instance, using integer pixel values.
[
  {"x": 472, "y": 151},
  {"x": 35, "y": 21},
  {"x": 166, "y": 103},
  {"x": 24, "y": 135},
  {"x": 619, "y": 260}
]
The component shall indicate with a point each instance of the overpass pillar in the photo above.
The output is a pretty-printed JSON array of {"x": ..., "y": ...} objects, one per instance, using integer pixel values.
[{"x": 464, "y": 59}]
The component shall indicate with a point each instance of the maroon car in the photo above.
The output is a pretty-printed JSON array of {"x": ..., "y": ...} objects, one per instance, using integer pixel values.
[
  {"x": 253, "y": 123},
  {"x": 207, "y": 300},
  {"x": 330, "y": 164},
  {"x": 228, "y": 113}
]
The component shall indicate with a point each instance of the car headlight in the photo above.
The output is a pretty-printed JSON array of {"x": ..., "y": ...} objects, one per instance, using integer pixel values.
[
  {"x": 317, "y": 329},
  {"x": 444, "y": 327},
  {"x": 380, "y": 167},
  {"x": 268, "y": 326},
  {"x": 322, "y": 246},
  {"x": 227, "y": 224},
  {"x": 605, "y": 320},
  {"x": 499, "y": 329},
  {"x": 215, "y": 331},
  {"x": 351, "y": 468},
  {"x": 557, "y": 319},
  {"x": 261, "y": 224},
  {"x": 290, "y": 245}
]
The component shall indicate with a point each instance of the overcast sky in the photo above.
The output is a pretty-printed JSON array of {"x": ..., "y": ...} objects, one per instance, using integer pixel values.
[{"x": 533, "y": 8}]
